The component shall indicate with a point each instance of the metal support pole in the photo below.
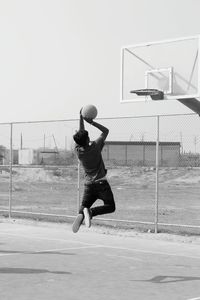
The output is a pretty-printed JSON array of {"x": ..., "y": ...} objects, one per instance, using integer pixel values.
[
  {"x": 11, "y": 165},
  {"x": 157, "y": 176},
  {"x": 78, "y": 187}
]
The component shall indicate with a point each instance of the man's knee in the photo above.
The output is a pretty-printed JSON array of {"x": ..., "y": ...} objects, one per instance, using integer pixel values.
[
  {"x": 112, "y": 207},
  {"x": 81, "y": 209}
]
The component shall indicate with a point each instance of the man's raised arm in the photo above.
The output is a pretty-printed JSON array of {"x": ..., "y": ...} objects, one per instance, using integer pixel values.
[
  {"x": 81, "y": 122},
  {"x": 102, "y": 128}
]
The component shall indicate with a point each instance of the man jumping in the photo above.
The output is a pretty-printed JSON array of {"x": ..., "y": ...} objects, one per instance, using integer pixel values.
[{"x": 96, "y": 185}]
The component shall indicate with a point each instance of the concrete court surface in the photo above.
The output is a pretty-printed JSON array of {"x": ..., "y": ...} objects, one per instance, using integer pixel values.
[{"x": 47, "y": 261}]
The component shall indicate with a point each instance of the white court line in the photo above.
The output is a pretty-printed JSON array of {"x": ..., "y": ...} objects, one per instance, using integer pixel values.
[
  {"x": 44, "y": 238},
  {"x": 105, "y": 246},
  {"x": 123, "y": 256},
  {"x": 46, "y": 251},
  {"x": 152, "y": 252},
  {"x": 198, "y": 298}
]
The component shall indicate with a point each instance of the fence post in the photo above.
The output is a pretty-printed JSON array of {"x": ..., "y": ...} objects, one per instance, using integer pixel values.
[
  {"x": 11, "y": 165},
  {"x": 157, "y": 176},
  {"x": 78, "y": 187}
]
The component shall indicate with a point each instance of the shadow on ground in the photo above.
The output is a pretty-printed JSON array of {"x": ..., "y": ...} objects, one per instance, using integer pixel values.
[
  {"x": 169, "y": 279},
  {"x": 30, "y": 271},
  {"x": 39, "y": 252}
]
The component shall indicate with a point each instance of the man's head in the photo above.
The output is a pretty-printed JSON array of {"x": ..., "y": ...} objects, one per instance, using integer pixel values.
[{"x": 81, "y": 137}]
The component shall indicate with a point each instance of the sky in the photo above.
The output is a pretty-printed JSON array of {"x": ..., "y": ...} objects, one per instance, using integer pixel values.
[{"x": 59, "y": 55}]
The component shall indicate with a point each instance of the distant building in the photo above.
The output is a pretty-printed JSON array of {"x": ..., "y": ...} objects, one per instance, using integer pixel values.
[
  {"x": 37, "y": 156},
  {"x": 48, "y": 156},
  {"x": 141, "y": 153},
  {"x": 5, "y": 157},
  {"x": 28, "y": 157}
]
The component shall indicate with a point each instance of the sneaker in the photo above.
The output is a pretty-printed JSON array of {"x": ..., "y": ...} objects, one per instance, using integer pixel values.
[
  {"x": 87, "y": 215},
  {"x": 77, "y": 223}
]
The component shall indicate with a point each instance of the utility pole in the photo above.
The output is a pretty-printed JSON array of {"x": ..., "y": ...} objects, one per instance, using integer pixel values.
[
  {"x": 55, "y": 143},
  {"x": 44, "y": 142},
  {"x": 195, "y": 144},
  {"x": 131, "y": 136},
  {"x": 65, "y": 143},
  {"x": 181, "y": 141},
  {"x": 21, "y": 142}
]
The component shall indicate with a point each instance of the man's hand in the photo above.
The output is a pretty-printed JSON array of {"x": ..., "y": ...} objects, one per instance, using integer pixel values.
[
  {"x": 88, "y": 120},
  {"x": 81, "y": 122}
]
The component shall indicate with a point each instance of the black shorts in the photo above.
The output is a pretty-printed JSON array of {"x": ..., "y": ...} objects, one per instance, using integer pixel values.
[{"x": 98, "y": 190}]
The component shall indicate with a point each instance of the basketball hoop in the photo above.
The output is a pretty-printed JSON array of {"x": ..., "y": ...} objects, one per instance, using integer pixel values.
[{"x": 153, "y": 93}]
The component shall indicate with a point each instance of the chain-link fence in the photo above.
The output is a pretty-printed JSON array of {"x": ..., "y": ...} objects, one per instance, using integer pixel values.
[{"x": 153, "y": 167}]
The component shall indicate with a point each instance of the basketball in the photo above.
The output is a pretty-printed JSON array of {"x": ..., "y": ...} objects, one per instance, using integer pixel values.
[{"x": 89, "y": 112}]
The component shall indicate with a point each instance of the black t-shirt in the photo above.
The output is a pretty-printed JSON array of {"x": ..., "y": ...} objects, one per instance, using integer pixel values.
[{"x": 91, "y": 160}]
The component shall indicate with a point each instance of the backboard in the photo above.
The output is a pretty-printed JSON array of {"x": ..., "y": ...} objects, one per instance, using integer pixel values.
[{"x": 171, "y": 66}]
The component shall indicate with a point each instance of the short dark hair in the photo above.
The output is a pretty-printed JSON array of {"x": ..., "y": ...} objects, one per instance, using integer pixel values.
[{"x": 81, "y": 137}]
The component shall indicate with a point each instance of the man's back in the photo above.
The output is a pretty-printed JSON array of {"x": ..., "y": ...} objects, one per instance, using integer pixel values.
[{"x": 91, "y": 160}]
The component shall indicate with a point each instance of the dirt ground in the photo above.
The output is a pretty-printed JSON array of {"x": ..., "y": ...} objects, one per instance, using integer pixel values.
[{"x": 55, "y": 192}]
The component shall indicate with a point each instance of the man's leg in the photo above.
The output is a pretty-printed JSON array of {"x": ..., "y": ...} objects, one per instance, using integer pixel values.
[
  {"x": 77, "y": 223},
  {"x": 87, "y": 216},
  {"x": 104, "y": 193},
  {"x": 84, "y": 210}
]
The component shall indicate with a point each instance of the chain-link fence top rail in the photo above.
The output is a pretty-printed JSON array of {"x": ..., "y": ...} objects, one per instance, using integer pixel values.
[{"x": 45, "y": 173}]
